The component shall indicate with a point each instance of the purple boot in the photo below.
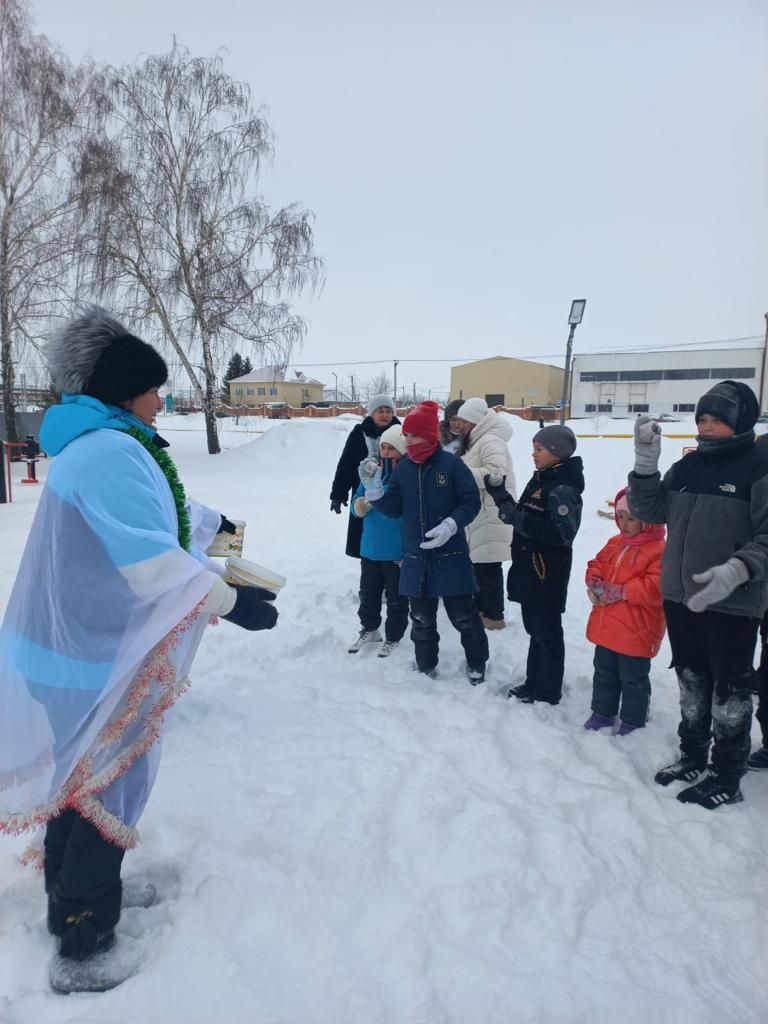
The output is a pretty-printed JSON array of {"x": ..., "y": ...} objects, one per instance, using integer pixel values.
[
  {"x": 625, "y": 729},
  {"x": 597, "y": 721}
]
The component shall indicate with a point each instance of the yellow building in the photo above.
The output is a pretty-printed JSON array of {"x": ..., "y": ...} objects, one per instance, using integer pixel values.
[
  {"x": 503, "y": 380},
  {"x": 275, "y": 384}
]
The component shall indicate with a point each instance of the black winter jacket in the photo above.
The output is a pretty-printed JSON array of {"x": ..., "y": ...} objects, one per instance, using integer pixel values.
[
  {"x": 715, "y": 504},
  {"x": 546, "y": 520},
  {"x": 347, "y": 479},
  {"x": 424, "y": 495}
]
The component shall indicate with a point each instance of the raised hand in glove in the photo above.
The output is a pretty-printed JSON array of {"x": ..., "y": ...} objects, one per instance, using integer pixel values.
[
  {"x": 494, "y": 484},
  {"x": 647, "y": 445},
  {"x": 720, "y": 580},
  {"x": 362, "y": 507},
  {"x": 253, "y": 608},
  {"x": 336, "y": 504},
  {"x": 439, "y": 534},
  {"x": 369, "y": 472}
]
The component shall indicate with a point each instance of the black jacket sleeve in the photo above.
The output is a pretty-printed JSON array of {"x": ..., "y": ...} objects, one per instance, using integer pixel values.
[
  {"x": 347, "y": 477},
  {"x": 560, "y": 524}
]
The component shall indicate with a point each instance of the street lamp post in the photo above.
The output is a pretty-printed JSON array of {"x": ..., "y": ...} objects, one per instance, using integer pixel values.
[
  {"x": 574, "y": 319},
  {"x": 336, "y": 388},
  {"x": 394, "y": 387}
]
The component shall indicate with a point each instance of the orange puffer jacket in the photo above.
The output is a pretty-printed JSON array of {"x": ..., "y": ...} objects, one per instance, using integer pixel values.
[{"x": 634, "y": 626}]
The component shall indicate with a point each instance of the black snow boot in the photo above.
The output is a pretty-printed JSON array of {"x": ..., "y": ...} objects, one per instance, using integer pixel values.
[
  {"x": 521, "y": 692},
  {"x": 685, "y": 770},
  {"x": 476, "y": 675},
  {"x": 715, "y": 790}
]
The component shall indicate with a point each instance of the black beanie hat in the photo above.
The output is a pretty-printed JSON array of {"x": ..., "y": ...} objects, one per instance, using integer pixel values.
[
  {"x": 732, "y": 402},
  {"x": 93, "y": 354},
  {"x": 126, "y": 368}
]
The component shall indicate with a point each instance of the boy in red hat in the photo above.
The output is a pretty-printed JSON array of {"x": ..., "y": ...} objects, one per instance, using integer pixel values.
[{"x": 436, "y": 496}]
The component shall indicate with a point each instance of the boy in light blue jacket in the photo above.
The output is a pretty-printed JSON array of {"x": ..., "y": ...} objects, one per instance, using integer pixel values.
[{"x": 381, "y": 551}]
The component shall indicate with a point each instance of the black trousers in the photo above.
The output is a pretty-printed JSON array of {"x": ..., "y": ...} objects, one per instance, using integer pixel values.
[
  {"x": 490, "y": 597},
  {"x": 546, "y": 652},
  {"x": 621, "y": 678},
  {"x": 712, "y": 654},
  {"x": 464, "y": 616},
  {"x": 762, "y": 683},
  {"x": 82, "y": 870},
  {"x": 376, "y": 579}
]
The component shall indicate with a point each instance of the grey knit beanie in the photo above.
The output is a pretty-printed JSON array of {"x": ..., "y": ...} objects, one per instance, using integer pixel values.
[
  {"x": 561, "y": 441},
  {"x": 380, "y": 402}
]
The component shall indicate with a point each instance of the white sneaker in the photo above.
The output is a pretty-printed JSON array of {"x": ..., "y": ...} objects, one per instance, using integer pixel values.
[
  {"x": 387, "y": 647},
  {"x": 372, "y": 636}
]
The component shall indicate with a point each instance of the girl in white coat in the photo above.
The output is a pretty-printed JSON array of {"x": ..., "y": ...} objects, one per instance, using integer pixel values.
[{"x": 485, "y": 450}]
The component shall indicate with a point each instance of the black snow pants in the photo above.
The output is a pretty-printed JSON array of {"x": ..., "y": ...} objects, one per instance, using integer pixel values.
[
  {"x": 378, "y": 578},
  {"x": 464, "y": 616},
  {"x": 712, "y": 654}
]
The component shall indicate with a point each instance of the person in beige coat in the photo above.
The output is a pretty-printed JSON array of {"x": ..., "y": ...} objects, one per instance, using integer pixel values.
[{"x": 484, "y": 450}]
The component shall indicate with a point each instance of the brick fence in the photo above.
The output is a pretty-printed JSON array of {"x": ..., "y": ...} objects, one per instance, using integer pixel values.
[{"x": 289, "y": 412}]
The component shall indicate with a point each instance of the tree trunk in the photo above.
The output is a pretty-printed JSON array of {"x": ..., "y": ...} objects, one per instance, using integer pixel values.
[
  {"x": 6, "y": 362},
  {"x": 209, "y": 398}
]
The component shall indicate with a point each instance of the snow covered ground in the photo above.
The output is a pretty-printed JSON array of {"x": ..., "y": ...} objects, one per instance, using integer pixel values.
[{"x": 340, "y": 841}]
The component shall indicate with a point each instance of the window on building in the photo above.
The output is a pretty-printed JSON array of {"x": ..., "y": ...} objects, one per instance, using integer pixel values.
[
  {"x": 639, "y": 407},
  {"x": 250, "y": 391},
  {"x": 630, "y": 375},
  {"x": 688, "y": 373},
  {"x": 306, "y": 392},
  {"x": 261, "y": 391},
  {"x": 590, "y": 407},
  {"x": 491, "y": 400},
  {"x": 684, "y": 407},
  {"x": 239, "y": 392},
  {"x": 605, "y": 407},
  {"x": 743, "y": 372},
  {"x": 595, "y": 376},
  {"x": 273, "y": 391}
]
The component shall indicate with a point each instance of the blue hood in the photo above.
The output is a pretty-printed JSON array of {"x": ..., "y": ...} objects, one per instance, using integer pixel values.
[{"x": 78, "y": 414}]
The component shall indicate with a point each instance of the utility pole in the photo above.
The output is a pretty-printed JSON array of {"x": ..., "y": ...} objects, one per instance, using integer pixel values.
[
  {"x": 394, "y": 382},
  {"x": 574, "y": 319}
]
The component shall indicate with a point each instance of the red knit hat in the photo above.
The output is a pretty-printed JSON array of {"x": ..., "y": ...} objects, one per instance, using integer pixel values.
[{"x": 422, "y": 422}]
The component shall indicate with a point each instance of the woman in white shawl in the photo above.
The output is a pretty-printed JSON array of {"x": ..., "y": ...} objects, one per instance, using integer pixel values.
[
  {"x": 103, "y": 622},
  {"x": 484, "y": 450}
]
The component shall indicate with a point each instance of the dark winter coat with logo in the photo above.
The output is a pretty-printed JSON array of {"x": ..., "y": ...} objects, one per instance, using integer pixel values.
[
  {"x": 347, "y": 478},
  {"x": 546, "y": 520},
  {"x": 424, "y": 495},
  {"x": 715, "y": 504}
]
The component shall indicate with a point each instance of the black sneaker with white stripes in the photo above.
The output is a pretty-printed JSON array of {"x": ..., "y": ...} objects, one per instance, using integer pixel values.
[
  {"x": 684, "y": 770},
  {"x": 713, "y": 791}
]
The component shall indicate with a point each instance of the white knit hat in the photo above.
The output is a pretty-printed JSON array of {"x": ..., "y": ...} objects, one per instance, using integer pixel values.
[
  {"x": 473, "y": 410},
  {"x": 394, "y": 435}
]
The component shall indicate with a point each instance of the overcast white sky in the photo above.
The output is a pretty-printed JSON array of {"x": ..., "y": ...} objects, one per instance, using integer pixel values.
[{"x": 475, "y": 166}]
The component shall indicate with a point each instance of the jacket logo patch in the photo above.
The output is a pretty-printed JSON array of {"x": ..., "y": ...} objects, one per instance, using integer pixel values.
[
  {"x": 563, "y": 510},
  {"x": 442, "y": 479},
  {"x": 728, "y": 488},
  {"x": 536, "y": 494}
]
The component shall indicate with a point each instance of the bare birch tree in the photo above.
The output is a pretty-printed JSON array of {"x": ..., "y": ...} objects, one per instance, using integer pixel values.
[
  {"x": 176, "y": 223},
  {"x": 43, "y": 104}
]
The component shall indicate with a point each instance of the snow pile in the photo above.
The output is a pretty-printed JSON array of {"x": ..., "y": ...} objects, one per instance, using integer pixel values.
[{"x": 337, "y": 839}]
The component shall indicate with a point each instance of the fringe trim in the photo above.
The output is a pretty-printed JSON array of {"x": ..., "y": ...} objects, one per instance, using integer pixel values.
[{"x": 81, "y": 789}]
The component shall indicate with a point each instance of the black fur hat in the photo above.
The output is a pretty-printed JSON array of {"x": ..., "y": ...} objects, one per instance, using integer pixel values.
[
  {"x": 732, "y": 402},
  {"x": 93, "y": 354}
]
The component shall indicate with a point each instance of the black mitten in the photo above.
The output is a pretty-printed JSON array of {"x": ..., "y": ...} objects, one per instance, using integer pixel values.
[
  {"x": 226, "y": 525},
  {"x": 253, "y": 609},
  {"x": 498, "y": 492}
]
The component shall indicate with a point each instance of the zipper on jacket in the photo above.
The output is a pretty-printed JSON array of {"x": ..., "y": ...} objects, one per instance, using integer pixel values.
[{"x": 421, "y": 506}]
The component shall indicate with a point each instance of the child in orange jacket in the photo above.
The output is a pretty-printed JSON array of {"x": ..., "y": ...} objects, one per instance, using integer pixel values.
[{"x": 627, "y": 620}]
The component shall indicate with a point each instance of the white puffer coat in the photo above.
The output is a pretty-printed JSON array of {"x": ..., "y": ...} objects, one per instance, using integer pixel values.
[{"x": 489, "y": 538}]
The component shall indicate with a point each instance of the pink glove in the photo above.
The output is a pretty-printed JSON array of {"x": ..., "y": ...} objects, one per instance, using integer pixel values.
[{"x": 610, "y": 593}]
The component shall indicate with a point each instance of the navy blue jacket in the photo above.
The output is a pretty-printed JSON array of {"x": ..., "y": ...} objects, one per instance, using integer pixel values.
[{"x": 424, "y": 495}]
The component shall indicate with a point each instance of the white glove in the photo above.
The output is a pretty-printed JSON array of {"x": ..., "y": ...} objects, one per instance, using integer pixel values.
[
  {"x": 721, "y": 580},
  {"x": 647, "y": 445},
  {"x": 369, "y": 472},
  {"x": 439, "y": 534}
]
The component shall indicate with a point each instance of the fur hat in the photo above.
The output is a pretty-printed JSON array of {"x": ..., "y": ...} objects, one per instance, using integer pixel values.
[
  {"x": 561, "y": 441},
  {"x": 732, "y": 402},
  {"x": 394, "y": 435},
  {"x": 93, "y": 354},
  {"x": 473, "y": 410},
  {"x": 452, "y": 409},
  {"x": 380, "y": 402},
  {"x": 422, "y": 422}
]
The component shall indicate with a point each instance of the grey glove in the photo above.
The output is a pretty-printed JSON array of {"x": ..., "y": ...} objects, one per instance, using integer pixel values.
[
  {"x": 721, "y": 580},
  {"x": 369, "y": 472},
  {"x": 439, "y": 534},
  {"x": 647, "y": 445}
]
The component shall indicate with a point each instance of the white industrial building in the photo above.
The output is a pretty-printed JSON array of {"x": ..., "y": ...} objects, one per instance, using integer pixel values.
[{"x": 668, "y": 381}]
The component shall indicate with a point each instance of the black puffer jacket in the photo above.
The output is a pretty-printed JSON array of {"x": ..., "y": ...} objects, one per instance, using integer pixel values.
[
  {"x": 347, "y": 479},
  {"x": 715, "y": 504},
  {"x": 546, "y": 520}
]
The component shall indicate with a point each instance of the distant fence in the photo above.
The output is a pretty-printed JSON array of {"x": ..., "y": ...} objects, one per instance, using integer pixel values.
[
  {"x": 289, "y": 412},
  {"x": 26, "y": 423}
]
